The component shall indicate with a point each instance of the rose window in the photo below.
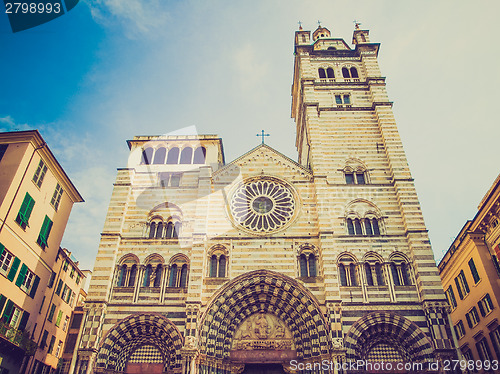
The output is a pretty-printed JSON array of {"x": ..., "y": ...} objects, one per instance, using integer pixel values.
[{"x": 262, "y": 205}]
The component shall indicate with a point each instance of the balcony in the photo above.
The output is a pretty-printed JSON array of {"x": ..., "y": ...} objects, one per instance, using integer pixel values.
[{"x": 18, "y": 338}]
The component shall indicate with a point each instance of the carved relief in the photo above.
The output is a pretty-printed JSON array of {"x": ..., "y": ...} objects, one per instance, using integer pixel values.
[{"x": 262, "y": 331}]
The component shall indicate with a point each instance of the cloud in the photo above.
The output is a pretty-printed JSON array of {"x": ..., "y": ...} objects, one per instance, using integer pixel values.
[
  {"x": 8, "y": 124},
  {"x": 138, "y": 17},
  {"x": 249, "y": 67}
]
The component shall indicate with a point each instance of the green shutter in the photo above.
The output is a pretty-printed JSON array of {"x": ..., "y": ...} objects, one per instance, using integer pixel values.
[
  {"x": 45, "y": 231},
  {"x": 24, "y": 321},
  {"x": 59, "y": 287},
  {"x": 13, "y": 269},
  {"x": 58, "y": 320},
  {"x": 8, "y": 311},
  {"x": 34, "y": 287},
  {"x": 3, "y": 299},
  {"x": 21, "y": 276},
  {"x": 26, "y": 208},
  {"x": 2, "y": 248},
  {"x": 31, "y": 204}
]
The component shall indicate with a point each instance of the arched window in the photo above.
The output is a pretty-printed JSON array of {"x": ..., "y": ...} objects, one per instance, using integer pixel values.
[
  {"x": 363, "y": 39},
  {"x": 133, "y": 274},
  {"x": 354, "y": 72},
  {"x": 321, "y": 73},
  {"x": 345, "y": 73},
  {"x": 159, "y": 231},
  {"x": 365, "y": 226},
  {"x": 213, "y": 266},
  {"x": 373, "y": 271},
  {"x": 307, "y": 264},
  {"x": 199, "y": 155},
  {"x": 357, "y": 227},
  {"x": 303, "y": 265},
  {"x": 172, "y": 280},
  {"x": 173, "y": 156},
  {"x": 400, "y": 274},
  {"x": 122, "y": 276},
  {"x": 222, "y": 266},
  {"x": 152, "y": 230},
  {"x": 348, "y": 272},
  {"x": 354, "y": 177},
  {"x": 350, "y": 227},
  {"x": 184, "y": 271},
  {"x": 160, "y": 156},
  {"x": 158, "y": 271},
  {"x": 186, "y": 155},
  {"x": 177, "y": 229},
  {"x": 170, "y": 231},
  {"x": 147, "y": 156},
  {"x": 330, "y": 73},
  {"x": 218, "y": 262},
  {"x": 147, "y": 276}
]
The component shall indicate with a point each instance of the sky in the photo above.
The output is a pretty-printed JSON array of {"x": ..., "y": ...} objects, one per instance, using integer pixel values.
[{"x": 111, "y": 69}]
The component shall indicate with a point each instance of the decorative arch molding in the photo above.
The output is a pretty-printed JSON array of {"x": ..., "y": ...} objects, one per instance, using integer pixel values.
[
  {"x": 154, "y": 258},
  {"x": 270, "y": 292},
  {"x": 361, "y": 208},
  {"x": 179, "y": 257},
  {"x": 129, "y": 259},
  {"x": 165, "y": 210},
  {"x": 126, "y": 336},
  {"x": 388, "y": 327}
]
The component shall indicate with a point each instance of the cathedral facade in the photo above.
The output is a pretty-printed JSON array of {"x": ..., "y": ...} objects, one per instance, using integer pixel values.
[{"x": 265, "y": 264}]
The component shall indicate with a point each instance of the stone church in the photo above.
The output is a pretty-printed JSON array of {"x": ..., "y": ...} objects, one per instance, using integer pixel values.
[{"x": 265, "y": 264}]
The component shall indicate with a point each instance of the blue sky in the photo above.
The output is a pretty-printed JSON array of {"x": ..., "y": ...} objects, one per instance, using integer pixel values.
[{"x": 112, "y": 69}]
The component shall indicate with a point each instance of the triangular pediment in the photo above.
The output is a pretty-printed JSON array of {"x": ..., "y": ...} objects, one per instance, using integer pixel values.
[{"x": 263, "y": 160}]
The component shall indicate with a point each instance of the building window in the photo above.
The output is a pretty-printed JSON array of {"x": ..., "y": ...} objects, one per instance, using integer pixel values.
[
  {"x": 164, "y": 230},
  {"x": 484, "y": 350},
  {"x": 178, "y": 278},
  {"x": 147, "y": 156},
  {"x": 199, "y": 155},
  {"x": 462, "y": 286},
  {"x": 472, "y": 317},
  {"x": 58, "y": 350},
  {"x": 495, "y": 339},
  {"x": 485, "y": 305},
  {"x": 473, "y": 271},
  {"x": 450, "y": 295},
  {"x": 25, "y": 211},
  {"x": 460, "y": 330},
  {"x": 25, "y": 279},
  {"x": 374, "y": 274},
  {"x": 51, "y": 280},
  {"x": 157, "y": 276},
  {"x": 59, "y": 287},
  {"x": 400, "y": 274},
  {"x": 173, "y": 156},
  {"x": 160, "y": 155},
  {"x": 352, "y": 177},
  {"x": 218, "y": 266},
  {"x": 50, "y": 317},
  {"x": 321, "y": 73},
  {"x": 330, "y": 73},
  {"x": 133, "y": 274},
  {"x": 78, "y": 278},
  {"x": 43, "y": 342},
  {"x": 169, "y": 179},
  {"x": 348, "y": 273},
  {"x": 65, "y": 266},
  {"x": 186, "y": 155},
  {"x": 350, "y": 73},
  {"x": 147, "y": 275},
  {"x": 343, "y": 99},
  {"x": 43, "y": 237},
  {"x": 40, "y": 172},
  {"x": 51, "y": 344},
  {"x": 72, "y": 273},
  {"x": 65, "y": 323},
  {"x": 122, "y": 276},
  {"x": 3, "y": 149},
  {"x": 365, "y": 226},
  {"x": 56, "y": 197},
  {"x": 307, "y": 264},
  {"x": 5, "y": 260}
]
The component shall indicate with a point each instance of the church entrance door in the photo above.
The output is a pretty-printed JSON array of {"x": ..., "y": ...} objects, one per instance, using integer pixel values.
[{"x": 263, "y": 369}]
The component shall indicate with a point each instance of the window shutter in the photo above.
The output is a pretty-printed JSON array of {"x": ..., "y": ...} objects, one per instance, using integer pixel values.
[
  {"x": 13, "y": 269},
  {"x": 52, "y": 279},
  {"x": 59, "y": 287},
  {"x": 469, "y": 322},
  {"x": 467, "y": 290},
  {"x": 481, "y": 308},
  {"x": 2, "y": 248},
  {"x": 3, "y": 299},
  {"x": 24, "y": 321},
  {"x": 21, "y": 276},
  {"x": 31, "y": 204},
  {"x": 34, "y": 287},
  {"x": 460, "y": 294},
  {"x": 45, "y": 230},
  {"x": 8, "y": 311}
]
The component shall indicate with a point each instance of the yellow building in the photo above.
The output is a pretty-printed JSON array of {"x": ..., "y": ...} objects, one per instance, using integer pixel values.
[
  {"x": 36, "y": 197},
  {"x": 470, "y": 274},
  {"x": 64, "y": 294}
]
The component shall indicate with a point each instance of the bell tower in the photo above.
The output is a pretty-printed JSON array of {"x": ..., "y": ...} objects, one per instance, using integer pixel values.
[{"x": 347, "y": 136}]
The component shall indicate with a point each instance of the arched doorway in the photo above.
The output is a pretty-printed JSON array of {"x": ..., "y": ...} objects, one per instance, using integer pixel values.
[
  {"x": 141, "y": 343},
  {"x": 262, "y": 320}
]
